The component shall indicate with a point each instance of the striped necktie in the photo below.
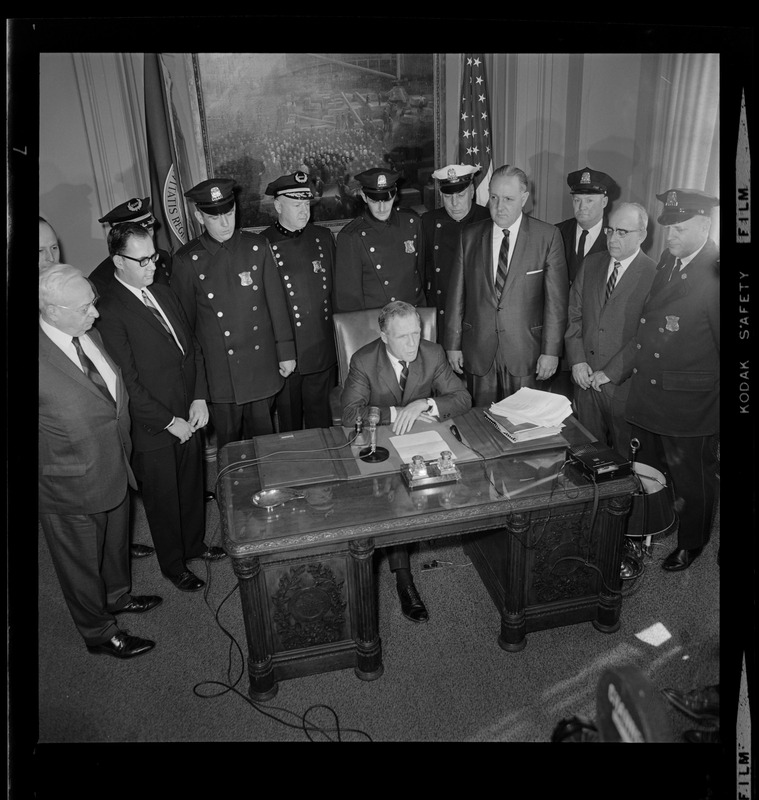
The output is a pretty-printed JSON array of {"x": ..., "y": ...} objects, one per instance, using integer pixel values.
[
  {"x": 404, "y": 375},
  {"x": 156, "y": 313},
  {"x": 90, "y": 370},
  {"x": 612, "y": 282},
  {"x": 503, "y": 264}
]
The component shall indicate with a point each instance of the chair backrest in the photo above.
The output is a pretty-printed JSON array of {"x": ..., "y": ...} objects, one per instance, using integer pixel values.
[{"x": 354, "y": 329}]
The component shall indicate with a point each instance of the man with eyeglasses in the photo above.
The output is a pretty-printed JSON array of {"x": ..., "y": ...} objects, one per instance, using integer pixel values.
[
  {"x": 673, "y": 405},
  {"x": 378, "y": 252},
  {"x": 147, "y": 334},
  {"x": 605, "y": 302},
  {"x": 305, "y": 257},
  {"x": 137, "y": 210},
  {"x": 227, "y": 282},
  {"x": 83, "y": 465},
  {"x": 441, "y": 228}
]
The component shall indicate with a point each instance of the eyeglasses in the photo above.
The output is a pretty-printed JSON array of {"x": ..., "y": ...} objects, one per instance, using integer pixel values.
[
  {"x": 621, "y": 232},
  {"x": 82, "y": 309},
  {"x": 143, "y": 262}
]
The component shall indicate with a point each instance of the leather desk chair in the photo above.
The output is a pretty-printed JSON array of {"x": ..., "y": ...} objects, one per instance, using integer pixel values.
[{"x": 354, "y": 329}]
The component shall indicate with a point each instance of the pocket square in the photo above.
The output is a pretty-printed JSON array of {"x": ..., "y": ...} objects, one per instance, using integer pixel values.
[{"x": 533, "y": 272}]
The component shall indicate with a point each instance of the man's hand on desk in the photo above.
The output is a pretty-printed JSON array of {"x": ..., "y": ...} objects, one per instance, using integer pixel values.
[{"x": 408, "y": 415}]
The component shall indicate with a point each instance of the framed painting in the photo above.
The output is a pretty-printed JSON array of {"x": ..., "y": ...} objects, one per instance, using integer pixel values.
[{"x": 334, "y": 115}]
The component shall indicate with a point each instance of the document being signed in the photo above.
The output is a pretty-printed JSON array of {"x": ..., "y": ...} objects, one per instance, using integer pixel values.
[{"x": 427, "y": 444}]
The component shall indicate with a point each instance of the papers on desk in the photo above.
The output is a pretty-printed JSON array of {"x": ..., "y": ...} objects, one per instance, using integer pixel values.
[
  {"x": 428, "y": 445},
  {"x": 529, "y": 414}
]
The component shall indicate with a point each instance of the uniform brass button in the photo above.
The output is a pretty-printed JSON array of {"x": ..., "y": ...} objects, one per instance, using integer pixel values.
[
  {"x": 226, "y": 333},
  {"x": 195, "y": 258},
  {"x": 379, "y": 266},
  {"x": 219, "y": 313},
  {"x": 289, "y": 286},
  {"x": 202, "y": 277},
  {"x": 371, "y": 249},
  {"x": 255, "y": 308},
  {"x": 286, "y": 277},
  {"x": 661, "y": 330},
  {"x": 231, "y": 352},
  {"x": 437, "y": 269},
  {"x": 297, "y": 324},
  {"x": 439, "y": 225},
  {"x": 387, "y": 283},
  {"x": 439, "y": 291},
  {"x": 255, "y": 287},
  {"x": 254, "y": 268},
  {"x": 255, "y": 327},
  {"x": 210, "y": 295},
  {"x": 437, "y": 247},
  {"x": 638, "y": 346},
  {"x": 442, "y": 311},
  {"x": 653, "y": 380},
  {"x": 292, "y": 294},
  {"x": 642, "y": 320},
  {"x": 656, "y": 355},
  {"x": 635, "y": 370},
  {"x": 297, "y": 316},
  {"x": 257, "y": 347},
  {"x": 255, "y": 247}
]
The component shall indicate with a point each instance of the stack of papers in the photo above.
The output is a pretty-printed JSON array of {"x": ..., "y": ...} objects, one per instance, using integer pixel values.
[{"x": 529, "y": 414}]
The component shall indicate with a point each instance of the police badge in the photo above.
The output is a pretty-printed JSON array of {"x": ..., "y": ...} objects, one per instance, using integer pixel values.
[
  {"x": 409, "y": 245},
  {"x": 317, "y": 265},
  {"x": 245, "y": 279},
  {"x": 673, "y": 323}
]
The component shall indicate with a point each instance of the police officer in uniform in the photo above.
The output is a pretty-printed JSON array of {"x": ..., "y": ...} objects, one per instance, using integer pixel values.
[
  {"x": 583, "y": 235},
  {"x": 134, "y": 210},
  {"x": 305, "y": 257},
  {"x": 673, "y": 405},
  {"x": 441, "y": 228},
  {"x": 228, "y": 284},
  {"x": 378, "y": 252}
]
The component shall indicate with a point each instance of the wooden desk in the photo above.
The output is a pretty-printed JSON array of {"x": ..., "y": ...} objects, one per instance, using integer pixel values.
[{"x": 307, "y": 585}]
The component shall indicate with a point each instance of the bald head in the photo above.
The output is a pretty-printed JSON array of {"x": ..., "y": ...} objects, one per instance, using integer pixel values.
[{"x": 49, "y": 249}]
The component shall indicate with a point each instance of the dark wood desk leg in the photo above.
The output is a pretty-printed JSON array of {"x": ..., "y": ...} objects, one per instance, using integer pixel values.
[
  {"x": 513, "y": 619},
  {"x": 260, "y": 666},
  {"x": 613, "y": 525},
  {"x": 365, "y": 612}
]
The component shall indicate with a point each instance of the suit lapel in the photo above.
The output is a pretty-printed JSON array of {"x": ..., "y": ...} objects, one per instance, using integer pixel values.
[
  {"x": 134, "y": 305},
  {"x": 387, "y": 373}
]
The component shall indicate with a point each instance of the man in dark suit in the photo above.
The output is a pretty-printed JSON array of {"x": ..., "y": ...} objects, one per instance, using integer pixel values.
[
  {"x": 136, "y": 211},
  {"x": 147, "y": 335},
  {"x": 583, "y": 235},
  {"x": 378, "y": 252},
  {"x": 507, "y": 300},
  {"x": 305, "y": 257},
  {"x": 441, "y": 229},
  {"x": 227, "y": 282},
  {"x": 50, "y": 251},
  {"x": 83, "y": 464},
  {"x": 605, "y": 302},
  {"x": 406, "y": 378},
  {"x": 673, "y": 405}
]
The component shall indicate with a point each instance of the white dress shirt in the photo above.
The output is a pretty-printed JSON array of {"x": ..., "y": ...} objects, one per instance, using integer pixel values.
[
  {"x": 65, "y": 342},
  {"x": 593, "y": 234}
]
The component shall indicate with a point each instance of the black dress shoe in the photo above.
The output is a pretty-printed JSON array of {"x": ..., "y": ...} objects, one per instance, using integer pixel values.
[
  {"x": 211, "y": 554},
  {"x": 710, "y": 736},
  {"x": 412, "y": 606},
  {"x": 140, "y": 604},
  {"x": 208, "y": 496},
  {"x": 187, "y": 581},
  {"x": 140, "y": 550},
  {"x": 680, "y": 559},
  {"x": 122, "y": 645},
  {"x": 698, "y": 703}
]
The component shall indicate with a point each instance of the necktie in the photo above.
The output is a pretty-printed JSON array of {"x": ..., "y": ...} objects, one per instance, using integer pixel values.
[
  {"x": 156, "y": 313},
  {"x": 503, "y": 264},
  {"x": 612, "y": 282},
  {"x": 581, "y": 246},
  {"x": 90, "y": 370},
  {"x": 404, "y": 375},
  {"x": 675, "y": 268}
]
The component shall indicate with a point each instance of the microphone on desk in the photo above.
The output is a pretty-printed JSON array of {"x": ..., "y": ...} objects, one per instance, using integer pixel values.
[{"x": 373, "y": 454}]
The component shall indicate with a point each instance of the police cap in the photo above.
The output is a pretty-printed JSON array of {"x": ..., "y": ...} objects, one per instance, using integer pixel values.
[
  {"x": 296, "y": 186},
  {"x": 378, "y": 183},
  {"x": 682, "y": 204},
  {"x": 214, "y": 196},
  {"x": 134, "y": 210},
  {"x": 455, "y": 177},
  {"x": 589, "y": 181}
]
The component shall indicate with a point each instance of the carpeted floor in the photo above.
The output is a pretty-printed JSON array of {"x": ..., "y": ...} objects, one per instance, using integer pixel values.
[{"x": 446, "y": 681}]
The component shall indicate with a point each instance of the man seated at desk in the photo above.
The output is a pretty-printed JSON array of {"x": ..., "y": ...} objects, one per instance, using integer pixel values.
[{"x": 406, "y": 378}]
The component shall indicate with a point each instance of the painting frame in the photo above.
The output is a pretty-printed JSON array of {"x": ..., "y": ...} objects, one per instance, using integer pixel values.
[{"x": 418, "y": 116}]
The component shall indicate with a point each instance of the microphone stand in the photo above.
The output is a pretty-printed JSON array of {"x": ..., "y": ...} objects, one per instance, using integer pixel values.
[{"x": 373, "y": 454}]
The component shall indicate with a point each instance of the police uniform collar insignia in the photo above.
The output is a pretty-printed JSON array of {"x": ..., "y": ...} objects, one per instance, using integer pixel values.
[
  {"x": 673, "y": 323},
  {"x": 585, "y": 177},
  {"x": 216, "y": 194},
  {"x": 381, "y": 181},
  {"x": 285, "y": 232},
  {"x": 134, "y": 205},
  {"x": 245, "y": 279},
  {"x": 671, "y": 199}
]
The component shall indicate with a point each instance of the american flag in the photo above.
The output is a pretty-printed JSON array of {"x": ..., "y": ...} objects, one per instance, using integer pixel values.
[{"x": 474, "y": 124}]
